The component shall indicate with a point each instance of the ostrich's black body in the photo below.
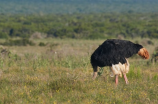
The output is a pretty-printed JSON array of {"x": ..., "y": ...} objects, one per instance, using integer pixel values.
[{"x": 113, "y": 51}]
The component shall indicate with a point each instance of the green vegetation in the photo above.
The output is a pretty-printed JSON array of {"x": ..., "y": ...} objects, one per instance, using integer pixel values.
[
  {"x": 60, "y": 73},
  {"x": 45, "y": 50},
  {"x": 18, "y": 42},
  {"x": 80, "y": 26}
]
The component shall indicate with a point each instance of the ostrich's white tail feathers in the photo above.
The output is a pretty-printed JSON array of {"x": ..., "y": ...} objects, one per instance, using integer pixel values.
[{"x": 118, "y": 69}]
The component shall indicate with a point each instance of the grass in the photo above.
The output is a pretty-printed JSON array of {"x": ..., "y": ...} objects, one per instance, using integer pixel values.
[{"x": 62, "y": 74}]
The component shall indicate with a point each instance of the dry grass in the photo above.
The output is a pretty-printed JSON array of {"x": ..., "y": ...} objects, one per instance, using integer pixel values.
[{"x": 60, "y": 73}]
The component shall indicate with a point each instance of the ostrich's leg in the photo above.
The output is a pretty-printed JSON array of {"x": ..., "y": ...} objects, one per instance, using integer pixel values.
[
  {"x": 125, "y": 77},
  {"x": 94, "y": 75},
  {"x": 94, "y": 72},
  {"x": 116, "y": 80},
  {"x": 126, "y": 70}
]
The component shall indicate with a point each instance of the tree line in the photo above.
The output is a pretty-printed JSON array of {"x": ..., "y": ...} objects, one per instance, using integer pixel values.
[{"x": 80, "y": 26}]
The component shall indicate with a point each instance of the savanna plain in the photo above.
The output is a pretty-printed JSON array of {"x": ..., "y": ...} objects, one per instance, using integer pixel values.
[{"x": 59, "y": 72}]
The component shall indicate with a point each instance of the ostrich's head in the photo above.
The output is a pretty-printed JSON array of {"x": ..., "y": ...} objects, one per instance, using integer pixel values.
[{"x": 143, "y": 53}]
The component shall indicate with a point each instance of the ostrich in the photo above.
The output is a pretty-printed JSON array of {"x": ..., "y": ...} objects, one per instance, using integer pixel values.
[{"x": 114, "y": 53}]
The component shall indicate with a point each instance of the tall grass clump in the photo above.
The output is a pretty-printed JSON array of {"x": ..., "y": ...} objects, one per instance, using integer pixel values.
[{"x": 135, "y": 72}]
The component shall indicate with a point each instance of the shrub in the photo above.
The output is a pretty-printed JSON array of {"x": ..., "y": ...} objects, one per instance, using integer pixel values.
[
  {"x": 3, "y": 35},
  {"x": 42, "y": 44},
  {"x": 18, "y": 42}
]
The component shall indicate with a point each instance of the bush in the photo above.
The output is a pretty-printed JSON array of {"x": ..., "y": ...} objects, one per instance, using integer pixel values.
[
  {"x": 3, "y": 35},
  {"x": 18, "y": 42},
  {"x": 42, "y": 44}
]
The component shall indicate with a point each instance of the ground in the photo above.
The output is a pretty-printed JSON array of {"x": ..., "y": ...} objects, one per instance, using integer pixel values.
[{"x": 60, "y": 73}]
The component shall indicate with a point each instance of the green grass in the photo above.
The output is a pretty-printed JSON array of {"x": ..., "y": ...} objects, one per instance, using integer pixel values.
[{"x": 62, "y": 74}]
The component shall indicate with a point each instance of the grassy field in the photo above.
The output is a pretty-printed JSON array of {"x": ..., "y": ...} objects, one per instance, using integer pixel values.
[{"x": 60, "y": 73}]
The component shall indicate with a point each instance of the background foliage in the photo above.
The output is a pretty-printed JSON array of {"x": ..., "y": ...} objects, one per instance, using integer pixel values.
[
  {"x": 87, "y": 26},
  {"x": 89, "y": 19}
]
